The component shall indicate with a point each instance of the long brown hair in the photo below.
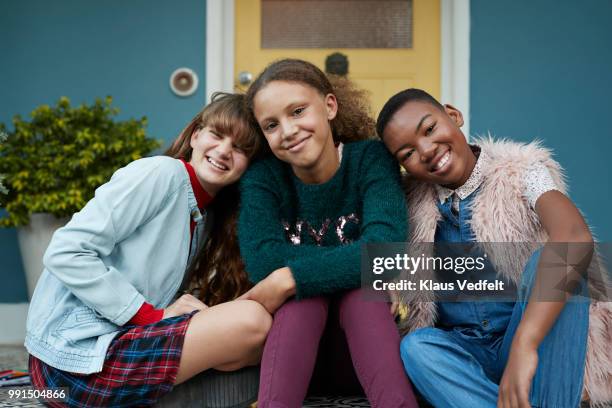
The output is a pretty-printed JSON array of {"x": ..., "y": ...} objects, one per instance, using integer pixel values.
[
  {"x": 219, "y": 274},
  {"x": 353, "y": 120}
]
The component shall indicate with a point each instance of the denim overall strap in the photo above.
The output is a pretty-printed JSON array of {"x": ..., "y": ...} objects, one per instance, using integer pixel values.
[{"x": 477, "y": 319}]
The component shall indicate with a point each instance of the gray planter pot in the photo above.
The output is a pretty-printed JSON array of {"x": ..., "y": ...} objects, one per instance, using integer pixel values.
[{"x": 33, "y": 242}]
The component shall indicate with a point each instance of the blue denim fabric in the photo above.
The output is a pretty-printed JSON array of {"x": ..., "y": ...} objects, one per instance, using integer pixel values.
[
  {"x": 129, "y": 244},
  {"x": 460, "y": 362},
  {"x": 478, "y": 318}
]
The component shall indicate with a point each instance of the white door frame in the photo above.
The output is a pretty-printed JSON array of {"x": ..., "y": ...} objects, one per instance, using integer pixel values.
[
  {"x": 219, "y": 46},
  {"x": 455, "y": 57},
  {"x": 455, "y": 52}
]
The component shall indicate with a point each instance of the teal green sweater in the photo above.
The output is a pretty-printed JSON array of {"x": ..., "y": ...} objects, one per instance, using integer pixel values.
[{"x": 317, "y": 229}]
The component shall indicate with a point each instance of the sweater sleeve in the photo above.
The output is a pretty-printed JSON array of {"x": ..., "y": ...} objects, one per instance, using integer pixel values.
[
  {"x": 317, "y": 270},
  {"x": 261, "y": 237},
  {"x": 133, "y": 196}
]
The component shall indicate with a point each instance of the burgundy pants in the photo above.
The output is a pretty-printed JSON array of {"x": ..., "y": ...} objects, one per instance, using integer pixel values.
[{"x": 357, "y": 345}]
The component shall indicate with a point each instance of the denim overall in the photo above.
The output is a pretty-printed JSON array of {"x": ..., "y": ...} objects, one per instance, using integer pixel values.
[{"x": 460, "y": 362}]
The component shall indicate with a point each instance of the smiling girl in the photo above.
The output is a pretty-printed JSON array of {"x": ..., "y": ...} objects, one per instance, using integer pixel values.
[
  {"x": 531, "y": 352},
  {"x": 104, "y": 320},
  {"x": 310, "y": 208}
]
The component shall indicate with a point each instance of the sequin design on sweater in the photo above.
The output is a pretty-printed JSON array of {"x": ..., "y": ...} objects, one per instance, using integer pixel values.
[{"x": 293, "y": 233}]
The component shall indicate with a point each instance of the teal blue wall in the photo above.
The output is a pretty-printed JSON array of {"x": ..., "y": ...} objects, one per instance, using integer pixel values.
[
  {"x": 86, "y": 49},
  {"x": 543, "y": 69}
]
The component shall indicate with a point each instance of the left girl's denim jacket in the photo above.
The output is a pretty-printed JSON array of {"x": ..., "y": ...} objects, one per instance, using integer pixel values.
[{"x": 128, "y": 245}]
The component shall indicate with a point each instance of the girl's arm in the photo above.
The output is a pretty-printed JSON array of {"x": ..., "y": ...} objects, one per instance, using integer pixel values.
[
  {"x": 320, "y": 270},
  {"x": 263, "y": 245},
  {"x": 564, "y": 224},
  {"x": 132, "y": 197}
]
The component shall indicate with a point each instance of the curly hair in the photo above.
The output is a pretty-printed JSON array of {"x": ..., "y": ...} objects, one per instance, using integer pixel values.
[
  {"x": 218, "y": 274},
  {"x": 352, "y": 122}
]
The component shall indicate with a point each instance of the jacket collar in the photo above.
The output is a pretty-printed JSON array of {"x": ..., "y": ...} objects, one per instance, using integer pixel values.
[{"x": 201, "y": 195}]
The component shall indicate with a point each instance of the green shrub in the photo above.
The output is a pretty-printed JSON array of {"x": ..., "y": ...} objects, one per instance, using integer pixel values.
[
  {"x": 3, "y": 190},
  {"x": 54, "y": 162}
]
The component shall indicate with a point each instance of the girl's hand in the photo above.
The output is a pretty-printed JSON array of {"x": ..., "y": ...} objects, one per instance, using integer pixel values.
[
  {"x": 273, "y": 291},
  {"x": 183, "y": 305},
  {"x": 516, "y": 382}
]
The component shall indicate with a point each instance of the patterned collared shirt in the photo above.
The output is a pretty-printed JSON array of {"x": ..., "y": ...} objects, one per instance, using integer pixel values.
[
  {"x": 537, "y": 181},
  {"x": 472, "y": 183}
]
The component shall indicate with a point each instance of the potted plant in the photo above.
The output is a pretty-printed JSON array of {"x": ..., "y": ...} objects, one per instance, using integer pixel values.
[{"x": 52, "y": 164}]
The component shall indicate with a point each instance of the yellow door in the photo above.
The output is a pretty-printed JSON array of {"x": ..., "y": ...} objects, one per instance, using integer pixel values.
[{"x": 382, "y": 71}]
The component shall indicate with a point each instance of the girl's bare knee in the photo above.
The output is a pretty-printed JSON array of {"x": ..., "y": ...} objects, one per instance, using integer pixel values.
[{"x": 253, "y": 321}]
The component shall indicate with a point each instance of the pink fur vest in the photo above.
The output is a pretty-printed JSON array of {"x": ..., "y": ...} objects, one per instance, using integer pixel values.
[{"x": 501, "y": 214}]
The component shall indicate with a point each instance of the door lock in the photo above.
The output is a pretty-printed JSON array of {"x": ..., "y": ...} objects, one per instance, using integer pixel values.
[{"x": 245, "y": 78}]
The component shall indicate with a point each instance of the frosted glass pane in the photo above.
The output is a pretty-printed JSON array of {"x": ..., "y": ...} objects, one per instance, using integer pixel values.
[{"x": 336, "y": 23}]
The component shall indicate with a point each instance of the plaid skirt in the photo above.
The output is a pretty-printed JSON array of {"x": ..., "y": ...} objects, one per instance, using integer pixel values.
[{"x": 140, "y": 367}]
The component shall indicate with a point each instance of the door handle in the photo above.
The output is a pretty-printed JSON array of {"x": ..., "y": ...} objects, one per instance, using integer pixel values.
[{"x": 245, "y": 78}]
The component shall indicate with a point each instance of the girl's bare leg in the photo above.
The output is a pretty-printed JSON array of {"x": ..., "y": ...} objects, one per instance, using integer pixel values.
[{"x": 226, "y": 337}]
